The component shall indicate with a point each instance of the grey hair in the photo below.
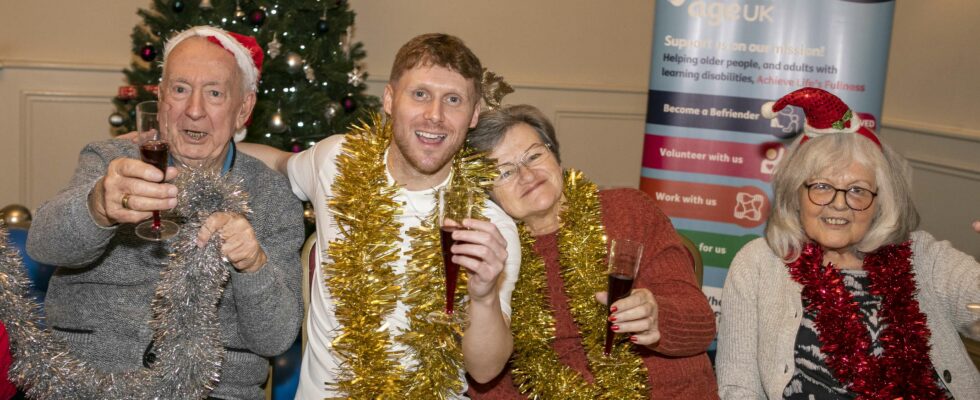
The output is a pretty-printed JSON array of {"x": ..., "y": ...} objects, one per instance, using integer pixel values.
[
  {"x": 246, "y": 68},
  {"x": 895, "y": 215},
  {"x": 494, "y": 124}
]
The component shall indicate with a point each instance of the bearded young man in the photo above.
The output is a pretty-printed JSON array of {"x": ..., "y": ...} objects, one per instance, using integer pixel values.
[{"x": 366, "y": 344}]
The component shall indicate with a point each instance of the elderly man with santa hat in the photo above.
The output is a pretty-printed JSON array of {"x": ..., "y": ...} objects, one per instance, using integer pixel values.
[{"x": 99, "y": 300}]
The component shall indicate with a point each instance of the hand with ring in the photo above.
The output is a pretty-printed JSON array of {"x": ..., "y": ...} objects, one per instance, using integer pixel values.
[
  {"x": 240, "y": 246},
  {"x": 130, "y": 191}
]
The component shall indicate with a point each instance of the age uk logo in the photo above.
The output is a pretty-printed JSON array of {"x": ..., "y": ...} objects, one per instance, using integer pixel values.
[{"x": 719, "y": 11}]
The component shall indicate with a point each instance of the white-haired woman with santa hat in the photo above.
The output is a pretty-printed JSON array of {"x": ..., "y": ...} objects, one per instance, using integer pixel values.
[{"x": 843, "y": 298}]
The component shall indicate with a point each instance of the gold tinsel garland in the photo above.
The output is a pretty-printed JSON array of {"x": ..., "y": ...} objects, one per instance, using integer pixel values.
[
  {"x": 365, "y": 288},
  {"x": 361, "y": 279},
  {"x": 437, "y": 348},
  {"x": 582, "y": 246}
]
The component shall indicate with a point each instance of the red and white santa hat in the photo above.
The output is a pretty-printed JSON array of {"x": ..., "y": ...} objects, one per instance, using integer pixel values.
[
  {"x": 825, "y": 113},
  {"x": 246, "y": 50}
]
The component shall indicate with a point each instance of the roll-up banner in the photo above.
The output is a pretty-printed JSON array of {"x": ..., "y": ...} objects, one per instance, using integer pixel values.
[{"x": 708, "y": 154}]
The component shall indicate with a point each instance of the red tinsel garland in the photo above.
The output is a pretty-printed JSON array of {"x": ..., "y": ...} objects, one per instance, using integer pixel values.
[{"x": 904, "y": 369}]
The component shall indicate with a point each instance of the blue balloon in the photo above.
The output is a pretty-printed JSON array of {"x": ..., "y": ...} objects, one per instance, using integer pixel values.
[
  {"x": 37, "y": 272},
  {"x": 285, "y": 371}
]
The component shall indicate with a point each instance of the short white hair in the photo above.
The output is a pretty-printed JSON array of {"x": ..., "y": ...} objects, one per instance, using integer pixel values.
[{"x": 243, "y": 56}]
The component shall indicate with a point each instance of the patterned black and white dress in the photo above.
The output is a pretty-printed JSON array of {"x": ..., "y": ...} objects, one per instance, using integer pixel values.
[{"x": 812, "y": 380}]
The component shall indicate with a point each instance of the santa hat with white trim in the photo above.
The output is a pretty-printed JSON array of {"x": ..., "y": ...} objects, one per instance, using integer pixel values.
[
  {"x": 246, "y": 50},
  {"x": 825, "y": 113}
]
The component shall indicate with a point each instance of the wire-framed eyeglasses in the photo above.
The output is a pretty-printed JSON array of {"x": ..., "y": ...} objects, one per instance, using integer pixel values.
[
  {"x": 857, "y": 198},
  {"x": 508, "y": 172}
]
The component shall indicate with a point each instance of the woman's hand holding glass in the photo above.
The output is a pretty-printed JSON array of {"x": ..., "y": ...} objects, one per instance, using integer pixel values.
[
  {"x": 632, "y": 310},
  {"x": 637, "y": 314}
]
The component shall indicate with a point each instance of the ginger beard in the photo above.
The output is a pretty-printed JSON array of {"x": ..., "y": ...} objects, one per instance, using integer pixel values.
[{"x": 432, "y": 108}]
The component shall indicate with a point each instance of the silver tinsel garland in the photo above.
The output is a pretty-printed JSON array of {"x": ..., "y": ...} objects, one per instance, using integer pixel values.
[{"x": 185, "y": 319}]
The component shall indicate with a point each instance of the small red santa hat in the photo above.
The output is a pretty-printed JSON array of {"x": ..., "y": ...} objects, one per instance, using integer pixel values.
[
  {"x": 246, "y": 50},
  {"x": 825, "y": 113}
]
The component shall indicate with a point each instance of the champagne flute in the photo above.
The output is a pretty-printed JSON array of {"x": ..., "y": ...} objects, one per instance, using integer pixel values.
[
  {"x": 454, "y": 205},
  {"x": 624, "y": 262},
  {"x": 154, "y": 150}
]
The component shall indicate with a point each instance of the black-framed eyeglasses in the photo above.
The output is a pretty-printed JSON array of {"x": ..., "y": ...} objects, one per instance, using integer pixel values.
[
  {"x": 857, "y": 198},
  {"x": 508, "y": 172}
]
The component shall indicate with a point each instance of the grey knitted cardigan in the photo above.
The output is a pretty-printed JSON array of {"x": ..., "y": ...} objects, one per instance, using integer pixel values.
[
  {"x": 99, "y": 297},
  {"x": 761, "y": 311}
]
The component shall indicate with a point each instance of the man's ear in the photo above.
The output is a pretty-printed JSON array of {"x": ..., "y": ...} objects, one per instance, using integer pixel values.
[
  {"x": 386, "y": 99},
  {"x": 248, "y": 104},
  {"x": 476, "y": 113}
]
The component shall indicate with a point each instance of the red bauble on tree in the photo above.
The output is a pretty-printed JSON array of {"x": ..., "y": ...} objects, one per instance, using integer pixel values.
[
  {"x": 256, "y": 17},
  {"x": 349, "y": 104},
  {"x": 148, "y": 53}
]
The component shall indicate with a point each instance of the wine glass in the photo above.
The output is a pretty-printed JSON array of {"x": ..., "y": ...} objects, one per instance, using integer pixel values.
[
  {"x": 453, "y": 205},
  {"x": 624, "y": 262},
  {"x": 154, "y": 150}
]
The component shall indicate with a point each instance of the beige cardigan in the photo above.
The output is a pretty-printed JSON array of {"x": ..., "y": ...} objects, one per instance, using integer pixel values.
[{"x": 761, "y": 311}]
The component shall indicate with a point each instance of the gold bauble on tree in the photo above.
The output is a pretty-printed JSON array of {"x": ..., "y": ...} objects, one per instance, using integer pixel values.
[
  {"x": 294, "y": 62},
  {"x": 276, "y": 123},
  {"x": 16, "y": 215},
  {"x": 308, "y": 214}
]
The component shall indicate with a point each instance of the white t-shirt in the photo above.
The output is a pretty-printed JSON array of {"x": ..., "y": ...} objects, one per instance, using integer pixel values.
[{"x": 311, "y": 174}]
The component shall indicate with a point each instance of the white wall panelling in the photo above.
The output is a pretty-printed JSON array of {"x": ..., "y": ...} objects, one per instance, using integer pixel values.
[
  {"x": 50, "y": 146},
  {"x": 945, "y": 165},
  {"x": 48, "y": 111}
]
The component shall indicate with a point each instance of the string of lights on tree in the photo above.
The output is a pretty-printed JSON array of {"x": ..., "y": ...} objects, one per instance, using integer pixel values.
[{"x": 312, "y": 81}]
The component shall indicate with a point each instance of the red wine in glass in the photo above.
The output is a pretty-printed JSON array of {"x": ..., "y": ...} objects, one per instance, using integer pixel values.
[
  {"x": 451, "y": 268},
  {"x": 619, "y": 288},
  {"x": 453, "y": 206},
  {"x": 156, "y": 153},
  {"x": 154, "y": 150},
  {"x": 624, "y": 263}
]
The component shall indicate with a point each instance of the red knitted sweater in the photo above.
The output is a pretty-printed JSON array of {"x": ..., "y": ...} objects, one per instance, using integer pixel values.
[
  {"x": 678, "y": 366},
  {"x": 7, "y": 389}
]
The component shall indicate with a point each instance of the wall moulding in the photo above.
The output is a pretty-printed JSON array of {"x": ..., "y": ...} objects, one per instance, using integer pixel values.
[
  {"x": 34, "y": 141},
  {"x": 59, "y": 66}
]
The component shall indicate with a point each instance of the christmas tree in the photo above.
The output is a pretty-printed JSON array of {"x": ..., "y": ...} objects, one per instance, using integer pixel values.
[{"x": 311, "y": 86}]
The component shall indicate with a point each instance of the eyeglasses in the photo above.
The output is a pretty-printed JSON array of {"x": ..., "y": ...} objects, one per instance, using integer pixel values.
[
  {"x": 534, "y": 155},
  {"x": 857, "y": 198}
]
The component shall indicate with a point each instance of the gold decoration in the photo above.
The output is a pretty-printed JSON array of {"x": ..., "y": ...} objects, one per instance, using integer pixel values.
[
  {"x": 309, "y": 214},
  {"x": 437, "y": 348},
  {"x": 365, "y": 288},
  {"x": 494, "y": 89},
  {"x": 582, "y": 246},
  {"x": 362, "y": 282},
  {"x": 16, "y": 215}
]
